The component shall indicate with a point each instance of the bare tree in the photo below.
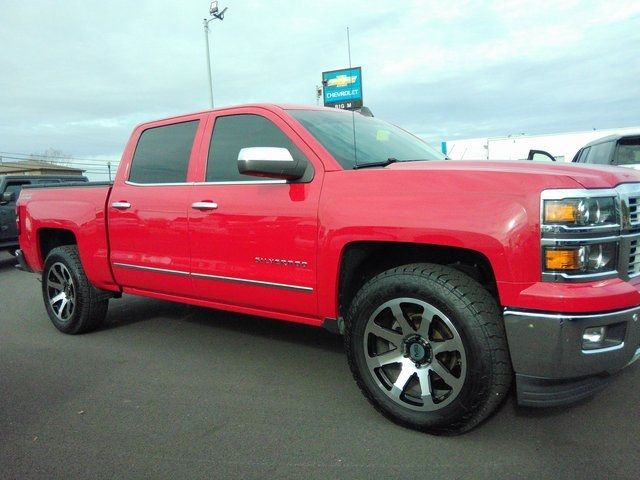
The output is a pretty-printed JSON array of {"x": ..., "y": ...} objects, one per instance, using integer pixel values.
[{"x": 52, "y": 155}]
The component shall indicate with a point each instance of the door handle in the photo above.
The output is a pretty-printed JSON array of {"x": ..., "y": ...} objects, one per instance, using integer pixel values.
[
  {"x": 204, "y": 205},
  {"x": 121, "y": 205}
]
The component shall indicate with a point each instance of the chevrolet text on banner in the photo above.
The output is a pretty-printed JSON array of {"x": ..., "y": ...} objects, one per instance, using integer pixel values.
[{"x": 343, "y": 88}]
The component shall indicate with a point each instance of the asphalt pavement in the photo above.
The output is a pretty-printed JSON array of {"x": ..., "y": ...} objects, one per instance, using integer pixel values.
[{"x": 174, "y": 391}]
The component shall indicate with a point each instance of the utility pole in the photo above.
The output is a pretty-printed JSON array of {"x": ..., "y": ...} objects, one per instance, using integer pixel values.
[
  {"x": 215, "y": 15},
  {"x": 109, "y": 168}
]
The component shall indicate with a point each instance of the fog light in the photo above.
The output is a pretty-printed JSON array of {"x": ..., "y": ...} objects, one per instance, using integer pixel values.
[{"x": 593, "y": 337}]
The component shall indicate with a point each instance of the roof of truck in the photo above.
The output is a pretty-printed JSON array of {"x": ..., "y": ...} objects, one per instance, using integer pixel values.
[
  {"x": 267, "y": 106},
  {"x": 614, "y": 137}
]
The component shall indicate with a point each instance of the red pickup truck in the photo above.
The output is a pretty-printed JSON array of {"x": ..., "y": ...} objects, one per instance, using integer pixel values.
[{"x": 448, "y": 279}]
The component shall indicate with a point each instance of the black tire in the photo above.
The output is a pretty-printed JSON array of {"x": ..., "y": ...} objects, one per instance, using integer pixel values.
[
  {"x": 452, "y": 371},
  {"x": 73, "y": 304}
]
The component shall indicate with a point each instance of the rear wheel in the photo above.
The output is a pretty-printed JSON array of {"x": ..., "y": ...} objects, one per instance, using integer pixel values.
[
  {"x": 73, "y": 304},
  {"x": 427, "y": 347}
]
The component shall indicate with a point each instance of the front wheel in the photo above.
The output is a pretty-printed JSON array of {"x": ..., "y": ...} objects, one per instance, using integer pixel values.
[
  {"x": 427, "y": 347},
  {"x": 73, "y": 304}
]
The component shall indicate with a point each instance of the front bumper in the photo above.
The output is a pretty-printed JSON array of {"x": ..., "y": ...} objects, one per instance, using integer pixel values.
[{"x": 551, "y": 366}]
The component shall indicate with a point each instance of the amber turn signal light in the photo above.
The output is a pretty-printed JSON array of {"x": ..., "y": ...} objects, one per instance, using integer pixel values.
[{"x": 562, "y": 259}]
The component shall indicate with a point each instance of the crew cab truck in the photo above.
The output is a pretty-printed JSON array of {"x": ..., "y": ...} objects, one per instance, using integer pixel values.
[
  {"x": 448, "y": 279},
  {"x": 10, "y": 186}
]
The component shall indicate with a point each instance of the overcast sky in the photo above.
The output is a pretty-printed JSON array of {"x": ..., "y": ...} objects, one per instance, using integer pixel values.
[{"x": 78, "y": 75}]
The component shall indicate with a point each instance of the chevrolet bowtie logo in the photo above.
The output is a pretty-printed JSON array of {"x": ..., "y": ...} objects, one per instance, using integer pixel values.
[{"x": 342, "y": 81}]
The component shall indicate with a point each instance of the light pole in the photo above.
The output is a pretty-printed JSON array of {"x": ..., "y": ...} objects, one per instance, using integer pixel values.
[{"x": 219, "y": 15}]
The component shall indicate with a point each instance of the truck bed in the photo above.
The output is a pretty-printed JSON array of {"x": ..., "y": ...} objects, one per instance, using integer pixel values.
[{"x": 77, "y": 210}]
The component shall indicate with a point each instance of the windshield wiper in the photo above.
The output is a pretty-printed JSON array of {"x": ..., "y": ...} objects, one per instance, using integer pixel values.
[{"x": 388, "y": 161}]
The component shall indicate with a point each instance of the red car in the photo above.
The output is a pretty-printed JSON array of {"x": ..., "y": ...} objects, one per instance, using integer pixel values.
[{"x": 448, "y": 279}]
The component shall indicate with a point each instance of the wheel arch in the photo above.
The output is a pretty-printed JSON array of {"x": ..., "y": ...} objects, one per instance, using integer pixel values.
[
  {"x": 361, "y": 261},
  {"x": 93, "y": 251},
  {"x": 50, "y": 238}
]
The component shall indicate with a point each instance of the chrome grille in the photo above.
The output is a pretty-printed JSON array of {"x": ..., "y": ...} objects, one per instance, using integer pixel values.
[
  {"x": 634, "y": 257},
  {"x": 634, "y": 202},
  {"x": 629, "y": 195}
]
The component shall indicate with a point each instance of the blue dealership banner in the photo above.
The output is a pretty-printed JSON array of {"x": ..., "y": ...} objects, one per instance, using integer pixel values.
[{"x": 343, "y": 88}]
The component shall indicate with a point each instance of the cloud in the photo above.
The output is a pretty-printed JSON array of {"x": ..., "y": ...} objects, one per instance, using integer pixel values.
[{"x": 78, "y": 75}]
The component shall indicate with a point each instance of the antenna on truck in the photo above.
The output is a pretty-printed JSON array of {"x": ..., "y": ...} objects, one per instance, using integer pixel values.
[{"x": 353, "y": 114}]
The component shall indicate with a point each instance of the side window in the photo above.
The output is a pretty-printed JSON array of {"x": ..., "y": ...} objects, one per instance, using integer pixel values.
[
  {"x": 235, "y": 132},
  {"x": 162, "y": 154},
  {"x": 628, "y": 152},
  {"x": 582, "y": 155},
  {"x": 600, "y": 153}
]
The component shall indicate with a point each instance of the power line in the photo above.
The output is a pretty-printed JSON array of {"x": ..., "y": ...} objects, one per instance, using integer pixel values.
[
  {"x": 104, "y": 163},
  {"x": 30, "y": 156}
]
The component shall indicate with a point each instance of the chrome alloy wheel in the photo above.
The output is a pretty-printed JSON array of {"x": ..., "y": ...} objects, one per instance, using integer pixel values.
[
  {"x": 61, "y": 291},
  {"x": 415, "y": 354}
]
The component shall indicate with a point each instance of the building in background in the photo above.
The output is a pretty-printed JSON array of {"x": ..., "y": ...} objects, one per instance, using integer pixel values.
[
  {"x": 37, "y": 167},
  {"x": 563, "y": 146}
]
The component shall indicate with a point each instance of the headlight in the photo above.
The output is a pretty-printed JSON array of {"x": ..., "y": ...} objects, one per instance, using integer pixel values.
[
  {"x": 580, "y": 212},
  {"x": 581, "y": 259}
]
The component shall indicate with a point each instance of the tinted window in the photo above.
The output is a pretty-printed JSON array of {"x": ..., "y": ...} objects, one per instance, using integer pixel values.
[
  {"x": 353, "y": 138},
  {"x": 600, "y": 153},
  {"x": 581, "y": 156},
  {"x": 15, "y": 189},
  {"x": 233, "y": 133},
  {"x": 628, "y": 152},
  {"x": 162, "y": 154}
]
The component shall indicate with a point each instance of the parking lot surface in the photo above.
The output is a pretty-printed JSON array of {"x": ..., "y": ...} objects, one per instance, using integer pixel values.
[{"x": 173, "y": 391}]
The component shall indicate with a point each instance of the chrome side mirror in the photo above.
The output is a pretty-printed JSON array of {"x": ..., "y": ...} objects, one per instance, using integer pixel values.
[{"x": 271, "y": 162}]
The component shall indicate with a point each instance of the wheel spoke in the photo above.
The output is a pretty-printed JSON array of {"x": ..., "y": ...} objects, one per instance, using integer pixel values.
[
  {"x": 400, "y": 318},
  {"x": 56, "y": 285},
  {"x": 385, "y": 333},
  {"x": 445, "y": 375},
  {"x": 63, "y": 305},
  {"x": 58, "y": 276},
  {"x": 400, "y": 384},
  {"x": 452, "y": 345},
  {"x": 388, "y": 358},
  {"x": 426, "y": 390},
  {"x": 64, "y": 308},
  {"x": 57, "y": 298},
  {"x": 425, "y": 324}
]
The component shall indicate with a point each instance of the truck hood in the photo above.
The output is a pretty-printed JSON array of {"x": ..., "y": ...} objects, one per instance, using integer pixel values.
[{"x": 588, "y": 176}]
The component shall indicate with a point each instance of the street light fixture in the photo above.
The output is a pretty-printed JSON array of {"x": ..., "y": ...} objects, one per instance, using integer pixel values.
[{"x": 216, "y": 14}]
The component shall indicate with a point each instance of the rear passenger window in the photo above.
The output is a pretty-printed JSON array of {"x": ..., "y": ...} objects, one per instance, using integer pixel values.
[
  {"x": 231, "y": 134},
  {"x": 600, "y": 153},
  {"x": 162, "y": 154}
]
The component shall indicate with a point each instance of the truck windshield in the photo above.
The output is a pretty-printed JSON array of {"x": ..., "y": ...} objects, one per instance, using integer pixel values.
[{"x": 374, "y": 140}]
